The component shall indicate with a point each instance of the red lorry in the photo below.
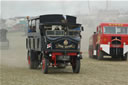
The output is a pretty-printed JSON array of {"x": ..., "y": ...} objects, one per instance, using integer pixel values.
[{"x": 109, "y": 39}]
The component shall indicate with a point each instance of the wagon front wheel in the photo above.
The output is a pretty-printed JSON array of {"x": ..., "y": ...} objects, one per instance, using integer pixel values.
[
  {"x": 45, "y": 65},
  {"x": 76, "y": 65}
]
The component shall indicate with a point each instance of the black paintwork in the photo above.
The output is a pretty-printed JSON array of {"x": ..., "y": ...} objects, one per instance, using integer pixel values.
[{"x": 58, "y": 19}]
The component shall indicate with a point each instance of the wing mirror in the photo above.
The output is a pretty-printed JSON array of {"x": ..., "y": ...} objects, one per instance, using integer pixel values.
[
  {"x": 82, "y": 28},
  {"x": 94, "y": 32}
]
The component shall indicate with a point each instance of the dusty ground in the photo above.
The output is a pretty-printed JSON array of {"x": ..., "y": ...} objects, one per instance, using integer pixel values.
[{"x": 15, "y": 71}]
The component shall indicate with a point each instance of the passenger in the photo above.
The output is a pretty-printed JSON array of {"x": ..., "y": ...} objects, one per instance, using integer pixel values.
[
  {"x": 57, "y": 28},
  {"x": 32, "y": 29},
  {"x": 29, "y": 29}
]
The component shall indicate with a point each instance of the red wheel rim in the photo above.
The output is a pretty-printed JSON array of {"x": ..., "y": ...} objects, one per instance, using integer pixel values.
[
  {"x": 43, "y": 64},
  {"x": 29, "y": 60}
]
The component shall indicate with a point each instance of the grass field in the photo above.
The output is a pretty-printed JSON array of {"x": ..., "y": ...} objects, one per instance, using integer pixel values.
[{"x": 15, "y": 71}]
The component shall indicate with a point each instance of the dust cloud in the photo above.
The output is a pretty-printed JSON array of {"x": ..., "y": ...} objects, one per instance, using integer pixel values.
[
  {"x": 16, "y": 54},
  {"x": 89, "y": 16},
  {"x": 13, "y": 59}
]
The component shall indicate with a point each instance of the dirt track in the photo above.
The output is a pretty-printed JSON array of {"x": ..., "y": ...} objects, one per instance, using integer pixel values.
[{"x": 14, "y": 69}]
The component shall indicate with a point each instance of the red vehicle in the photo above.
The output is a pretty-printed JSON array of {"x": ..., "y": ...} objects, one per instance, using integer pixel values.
[{"x": 110, "y": 39}]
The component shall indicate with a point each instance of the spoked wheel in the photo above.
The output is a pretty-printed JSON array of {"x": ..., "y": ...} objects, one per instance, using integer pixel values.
[
  {"x": 75, "y": 65},
  {"x": 45, "y": 65},
  {"x": 33, "y": 60}
]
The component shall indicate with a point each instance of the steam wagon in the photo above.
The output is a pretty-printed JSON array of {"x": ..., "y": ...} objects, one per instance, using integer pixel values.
[
  {"x": 4, "y": 42},
  {"x": 54, "y": 41},
  {"x": 109, "y": 39}
]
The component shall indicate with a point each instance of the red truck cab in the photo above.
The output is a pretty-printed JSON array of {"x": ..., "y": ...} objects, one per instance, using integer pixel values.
[{"x": 109, "y": 39}]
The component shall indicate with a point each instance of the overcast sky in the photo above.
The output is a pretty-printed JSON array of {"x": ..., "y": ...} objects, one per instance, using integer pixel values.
[{"x": 33, "y": 8}]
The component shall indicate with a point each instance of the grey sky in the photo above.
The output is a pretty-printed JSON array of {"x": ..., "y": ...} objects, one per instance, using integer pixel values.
[{"x": 34, "y": 8}]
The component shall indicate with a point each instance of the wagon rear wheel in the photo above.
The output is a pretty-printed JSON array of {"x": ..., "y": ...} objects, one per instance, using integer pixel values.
[
  {"x": 45, "y": 65},
  {"x": 33, "y": 60},
  {"x": 76, "y": 65}
]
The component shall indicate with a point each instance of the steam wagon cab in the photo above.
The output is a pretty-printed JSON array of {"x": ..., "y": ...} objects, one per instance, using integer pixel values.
[
  {"x": 54, "y": 40},
  {"x": 110, "y": 39}
]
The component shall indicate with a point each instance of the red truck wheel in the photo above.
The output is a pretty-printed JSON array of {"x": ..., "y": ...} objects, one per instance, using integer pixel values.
[
  {"x": 90, "y": 54},
  {"x": 99, "y": 54},
  {"x": 125, "y": 57},
  {"x": 45, "y": 65}
]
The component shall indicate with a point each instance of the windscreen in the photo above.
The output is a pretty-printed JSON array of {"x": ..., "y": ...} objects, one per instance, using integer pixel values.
[
  {"x": 115, "y": 30},
  {"x": 74, "y": 33},
  {"x": 55, "y": 33},
  {"x": 62, "y": 33}
]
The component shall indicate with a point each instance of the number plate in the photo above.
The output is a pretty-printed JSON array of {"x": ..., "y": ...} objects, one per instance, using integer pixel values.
[{"x": 63, "y": 58}]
